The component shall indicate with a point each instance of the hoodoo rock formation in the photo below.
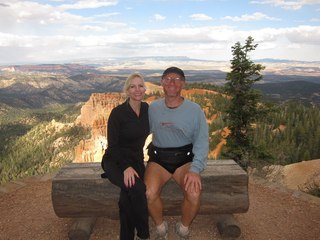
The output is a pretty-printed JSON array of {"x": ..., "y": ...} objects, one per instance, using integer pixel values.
[{"x": 94, "y": 115}]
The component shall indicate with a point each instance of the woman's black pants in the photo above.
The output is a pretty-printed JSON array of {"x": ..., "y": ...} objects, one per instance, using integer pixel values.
[{"x": 133, "y": 206}]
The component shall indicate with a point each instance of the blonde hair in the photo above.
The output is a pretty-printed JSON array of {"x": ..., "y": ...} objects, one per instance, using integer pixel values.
[{"x": 129, "y": 80}]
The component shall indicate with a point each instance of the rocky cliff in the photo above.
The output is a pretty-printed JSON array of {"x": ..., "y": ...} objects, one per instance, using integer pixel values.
[{"x": 94, "y": 115}]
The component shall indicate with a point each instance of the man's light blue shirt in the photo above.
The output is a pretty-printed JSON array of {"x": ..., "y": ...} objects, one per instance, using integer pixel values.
[{"x": 181, "y": 126}]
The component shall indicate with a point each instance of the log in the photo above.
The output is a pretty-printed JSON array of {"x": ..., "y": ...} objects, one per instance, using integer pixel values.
[
  {"x": 225, "y": 190},
  {"x": 81, "y": 228},
  {"x": 79, "y": 191},
  {"x": 228, "y": 226}
]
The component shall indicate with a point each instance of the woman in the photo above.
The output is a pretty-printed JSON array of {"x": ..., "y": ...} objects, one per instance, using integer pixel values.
[{"x": 128, "y": 128}]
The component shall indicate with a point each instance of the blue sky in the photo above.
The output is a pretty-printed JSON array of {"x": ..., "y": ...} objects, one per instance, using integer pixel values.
[{"x": 45, "y": 31}]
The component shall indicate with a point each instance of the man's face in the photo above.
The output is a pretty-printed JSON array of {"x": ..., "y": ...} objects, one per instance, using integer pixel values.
[{"x": 172, "y": 84}]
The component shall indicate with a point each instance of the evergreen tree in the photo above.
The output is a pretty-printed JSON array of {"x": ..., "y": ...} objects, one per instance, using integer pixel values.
[{"x": 244, "y": 108}]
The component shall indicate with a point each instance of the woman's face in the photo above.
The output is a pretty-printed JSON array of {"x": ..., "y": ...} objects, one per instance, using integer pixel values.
[{"x": 136, "y": 89}]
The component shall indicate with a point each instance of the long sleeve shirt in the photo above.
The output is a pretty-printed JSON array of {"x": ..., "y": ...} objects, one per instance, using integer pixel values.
[
  {"x": 181, "y": 126},
  {"x": 126, "y": 135}
]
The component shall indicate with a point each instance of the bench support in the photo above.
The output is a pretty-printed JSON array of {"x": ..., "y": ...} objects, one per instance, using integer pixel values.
[
  {"x": 228, "y": 226},
  {"x": 81, "y": 228}
]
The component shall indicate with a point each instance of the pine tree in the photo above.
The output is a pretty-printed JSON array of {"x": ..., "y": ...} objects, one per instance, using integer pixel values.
[{"x": 244, "y": 108}]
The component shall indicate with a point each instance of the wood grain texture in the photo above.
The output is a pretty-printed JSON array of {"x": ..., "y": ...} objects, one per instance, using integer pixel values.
[{"x": 79, "y": 191}]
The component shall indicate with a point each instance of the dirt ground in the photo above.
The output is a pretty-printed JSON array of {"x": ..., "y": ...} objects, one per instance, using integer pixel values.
[{"x": 275, "y": 212}]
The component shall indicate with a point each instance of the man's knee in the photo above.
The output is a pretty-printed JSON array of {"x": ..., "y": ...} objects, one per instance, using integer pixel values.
[
  {"x": 152, "y": 194},
  {"x": 193, "y": 197}
]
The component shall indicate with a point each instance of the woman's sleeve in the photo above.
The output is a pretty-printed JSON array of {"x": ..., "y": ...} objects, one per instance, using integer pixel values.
[{"x": 114, "y": 125}]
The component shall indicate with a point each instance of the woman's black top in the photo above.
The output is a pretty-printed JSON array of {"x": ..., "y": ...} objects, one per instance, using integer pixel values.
[{"x": 126, "y": 135}]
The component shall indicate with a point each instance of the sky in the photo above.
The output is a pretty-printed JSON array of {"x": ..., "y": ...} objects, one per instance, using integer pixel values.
[{"x": 51, "y": 31}]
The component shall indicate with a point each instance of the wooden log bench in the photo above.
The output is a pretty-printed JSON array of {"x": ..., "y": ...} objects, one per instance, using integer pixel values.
[{"x": 79, "y": 192}]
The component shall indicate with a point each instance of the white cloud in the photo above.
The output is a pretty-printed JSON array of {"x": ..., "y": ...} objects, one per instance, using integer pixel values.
[
  {"x": 85, "y": 4},
  {"x": 107, "y": 15},
  {"x": 4, "y": 5},
  {"x": 158, "y": 17},
  {"x": 200, "y": 17},
  {"x": 30, "y": 31},
  {"x": 28, "y": 14},
  {"x": 306, "y": 35},
  {"x": 253, "y": 17},
  {"x": 203, "y": 43},
  {"x": 289, "y": 5},
  {"x": 43, "y": 19}
]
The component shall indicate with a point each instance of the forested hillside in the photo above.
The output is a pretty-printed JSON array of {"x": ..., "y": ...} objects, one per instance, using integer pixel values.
[
  {"x": 289, "y": 134},
  {"x": 35, "y": 142},
  {"x": 306, "y": 92}
]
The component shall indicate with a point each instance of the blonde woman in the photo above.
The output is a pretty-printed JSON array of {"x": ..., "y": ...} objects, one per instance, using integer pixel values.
[{"x": 128, "y": 128}]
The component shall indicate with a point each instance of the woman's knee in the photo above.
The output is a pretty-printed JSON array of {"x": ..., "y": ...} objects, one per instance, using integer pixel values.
[{"x": 138, "y": 188}]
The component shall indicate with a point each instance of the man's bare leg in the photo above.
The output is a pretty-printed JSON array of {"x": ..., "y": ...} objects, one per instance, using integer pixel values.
[
  {"x": 155, "y": 178},
  {"x": 191, "y": 203}
]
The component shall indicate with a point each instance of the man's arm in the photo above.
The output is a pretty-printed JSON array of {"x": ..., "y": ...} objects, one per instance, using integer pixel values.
[{"x": 200, "y": 144}]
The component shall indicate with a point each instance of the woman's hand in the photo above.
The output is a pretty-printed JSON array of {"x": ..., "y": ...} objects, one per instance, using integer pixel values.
[{"x": 129, "y": 177}]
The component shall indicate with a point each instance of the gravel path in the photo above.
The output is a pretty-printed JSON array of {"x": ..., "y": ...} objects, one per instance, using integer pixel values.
[{"x": 275, "y": 213}]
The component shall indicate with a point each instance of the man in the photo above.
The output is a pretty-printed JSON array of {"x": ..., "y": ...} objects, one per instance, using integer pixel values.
[{"x": 179, "y": 150}]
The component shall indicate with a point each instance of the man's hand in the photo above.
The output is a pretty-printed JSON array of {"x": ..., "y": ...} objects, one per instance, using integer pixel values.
[
  {"x": 129, "y": 177},
  {"x": 192, "y": 182}
]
